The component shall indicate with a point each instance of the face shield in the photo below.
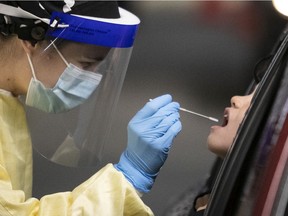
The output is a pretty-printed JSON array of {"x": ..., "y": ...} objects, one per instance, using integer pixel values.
[{"x": 86, "y": 59}]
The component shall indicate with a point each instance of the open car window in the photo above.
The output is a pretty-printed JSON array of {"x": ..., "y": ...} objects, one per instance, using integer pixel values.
[{"x": 254, "y": 173}]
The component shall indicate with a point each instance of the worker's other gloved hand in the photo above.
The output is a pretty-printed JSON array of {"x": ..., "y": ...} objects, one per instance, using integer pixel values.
[{"x": 150, "y": 135}]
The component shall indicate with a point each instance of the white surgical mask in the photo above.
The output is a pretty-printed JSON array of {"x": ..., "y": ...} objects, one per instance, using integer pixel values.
[{"x": 73, "y": 87}]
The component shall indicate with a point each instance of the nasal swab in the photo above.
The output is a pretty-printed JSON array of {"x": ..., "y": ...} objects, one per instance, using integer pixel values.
[{"x": 198, "y": 114}]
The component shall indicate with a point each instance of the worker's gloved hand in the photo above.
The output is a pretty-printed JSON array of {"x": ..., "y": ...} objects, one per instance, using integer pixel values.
[{"x": 150, "y": 135}]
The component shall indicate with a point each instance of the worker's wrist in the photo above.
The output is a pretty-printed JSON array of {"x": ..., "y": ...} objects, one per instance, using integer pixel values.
[{"x": 141, "y": 182}]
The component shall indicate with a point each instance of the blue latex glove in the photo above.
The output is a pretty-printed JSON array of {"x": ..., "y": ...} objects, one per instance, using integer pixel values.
[{"x": 150, "y": 135}]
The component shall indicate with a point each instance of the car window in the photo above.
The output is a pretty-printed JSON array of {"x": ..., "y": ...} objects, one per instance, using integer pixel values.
[{"x": 241, "y": 179}]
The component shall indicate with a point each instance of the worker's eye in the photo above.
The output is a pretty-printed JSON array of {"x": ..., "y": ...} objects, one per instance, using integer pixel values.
[{"x": 89, "y": 65}]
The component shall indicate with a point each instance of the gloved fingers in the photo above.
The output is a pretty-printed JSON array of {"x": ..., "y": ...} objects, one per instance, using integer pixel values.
[
  {"x": 153, "y": 132},
  {"x": 152, "y": 107},
  {"x": 167, "y": 139},
  {"x": 167, "y": 122},
  {"x": 167, "y": 110},
  {"x": 152, "y": 122},
  {"x": 162, "y": 114}
]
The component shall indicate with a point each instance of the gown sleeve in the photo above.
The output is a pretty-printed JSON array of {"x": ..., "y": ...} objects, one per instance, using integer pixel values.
[{"x": 105, "y": 193}]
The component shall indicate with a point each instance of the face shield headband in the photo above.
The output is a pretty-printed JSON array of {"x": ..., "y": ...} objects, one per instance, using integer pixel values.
[
  {"x": 110, "y": 32},
  {"x": 93, "y": 30}
]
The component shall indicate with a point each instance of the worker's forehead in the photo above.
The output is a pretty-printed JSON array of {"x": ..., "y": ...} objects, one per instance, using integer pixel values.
[{"x": 77, "y": 49}]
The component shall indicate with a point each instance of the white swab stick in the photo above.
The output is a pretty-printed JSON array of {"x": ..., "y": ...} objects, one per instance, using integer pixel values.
[{"x": 198, "y": 114}]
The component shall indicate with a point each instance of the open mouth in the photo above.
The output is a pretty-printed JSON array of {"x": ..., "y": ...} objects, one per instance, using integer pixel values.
[{"x": 225, "y": 118}]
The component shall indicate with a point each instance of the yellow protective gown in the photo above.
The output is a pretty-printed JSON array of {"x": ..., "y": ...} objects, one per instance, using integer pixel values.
[{"x": 105, "y": 193}]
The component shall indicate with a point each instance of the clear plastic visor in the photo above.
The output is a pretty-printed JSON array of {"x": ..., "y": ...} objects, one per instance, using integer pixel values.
[{"x": 77, "y": 137}]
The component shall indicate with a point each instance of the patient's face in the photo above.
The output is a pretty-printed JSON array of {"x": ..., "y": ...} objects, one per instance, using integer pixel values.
[{"x": 222, "y": 136}]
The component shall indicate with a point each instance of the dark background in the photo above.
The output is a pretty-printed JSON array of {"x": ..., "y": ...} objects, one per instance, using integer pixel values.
[{"x": 202, "y": 53}]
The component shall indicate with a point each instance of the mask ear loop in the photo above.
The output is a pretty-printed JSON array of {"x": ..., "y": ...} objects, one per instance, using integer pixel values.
[
  {"x": 60, "y": 54},
  {"x": 31, "y": 66}
]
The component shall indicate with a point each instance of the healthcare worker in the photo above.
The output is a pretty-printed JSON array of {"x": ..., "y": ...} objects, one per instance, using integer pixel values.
[{"x": 61, "y": 55}]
